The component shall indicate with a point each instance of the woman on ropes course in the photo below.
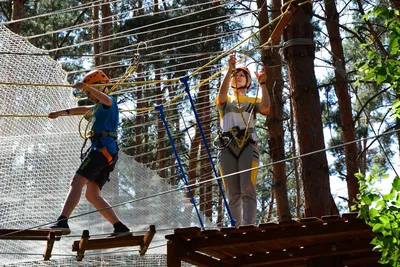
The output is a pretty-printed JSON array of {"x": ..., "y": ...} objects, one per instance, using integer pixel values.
[
  {"x": 101, "y": 158},
  {"x": 238, "y": 142}
]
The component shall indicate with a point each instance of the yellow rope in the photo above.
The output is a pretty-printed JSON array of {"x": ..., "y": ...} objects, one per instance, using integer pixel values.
[{"x": 129, "y": 70}]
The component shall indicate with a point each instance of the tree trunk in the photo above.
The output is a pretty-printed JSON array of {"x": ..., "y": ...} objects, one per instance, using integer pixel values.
[
  {"x": 307, "y": 111},
  {"x": 344, "y": 101},
  {"x": 395, "y": 4},
  {"x": 160, "y": 158},
  {"x": 203, "y": 102},
  {"x": 17, "y": 14},
  {"x": 270, "y": 206},
  {"x": 193, "y": 159},
  {"x": 220, "y": 210},
  {"x": 274, "y": 120},
  {"x": 296, "y": 168},
  {"x": 139, "y": 117},
  {"x": 95, "y": 34},
  {"x": 106, "y": 33}
]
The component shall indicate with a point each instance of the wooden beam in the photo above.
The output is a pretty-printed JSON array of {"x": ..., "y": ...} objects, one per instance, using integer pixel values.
[
  {"x": 173, "y": 253},
  {"x": 277, "y": 33},
  {"x": 295, "y": 255},
  {"x": 49, "y": 246},
  {"x": 353, "y": 228},
  {"x": 148, "y": 237},
  {"x": 110, "y": 242},
  {"x": 201, "y": 260},
  {"x": 80, "y": 254},
  {"x": 186, "y": 233},
  {"x": 366, "y": 258},
  {"x": 16, "y": 234}
]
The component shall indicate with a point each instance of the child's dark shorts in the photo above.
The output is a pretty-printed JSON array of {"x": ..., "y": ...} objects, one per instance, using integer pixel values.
[{"x": 96, "y": 168}]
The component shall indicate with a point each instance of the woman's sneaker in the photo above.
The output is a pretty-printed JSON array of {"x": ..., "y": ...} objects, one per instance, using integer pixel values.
[
  {"x": 58, "y": 226},
  {"x": 121, "y": 231}
]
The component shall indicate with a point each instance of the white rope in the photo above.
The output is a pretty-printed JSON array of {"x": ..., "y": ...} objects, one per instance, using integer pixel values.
[{"x": 124, "y": 33}]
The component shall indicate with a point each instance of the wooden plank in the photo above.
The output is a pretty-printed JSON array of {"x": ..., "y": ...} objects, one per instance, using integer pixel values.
[
  {"x": 268, "y": 226},
  {"x": 200, "y": 260},
  {"x": 18, "y": 234},
  {"x": 172, "y": 253},
  {"x": 226, "y": 230},
  {"x": 291, "y": 223},
  {"x": 82, "y": 245},
  {"x": 213, "y": 232},
  {"x": 350, "y": 216},
  {"x": 311, "y": 221},
  {"x": 248, "y": 228},
  {"x": 49, "y": 246},
  {"x": 277, "y": 33},
  {"x": 110, "y": 242},
  {"x": 148, "y": 237},
  {"x": 188, "y": 231},
  {"x": 220, "y": 254},
  {"x": 328, "y": 231},
  {"x": 362, "y": 258},
  {"x": 332, "y": 218},
  {"x": 286, "y": 256}
]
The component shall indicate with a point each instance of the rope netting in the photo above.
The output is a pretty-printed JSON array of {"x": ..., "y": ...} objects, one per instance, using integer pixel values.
[{"x": 39, "y": 155}]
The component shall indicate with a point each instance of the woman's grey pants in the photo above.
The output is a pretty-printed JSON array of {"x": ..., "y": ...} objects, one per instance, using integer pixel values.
[{"x": 240, "y": 188}]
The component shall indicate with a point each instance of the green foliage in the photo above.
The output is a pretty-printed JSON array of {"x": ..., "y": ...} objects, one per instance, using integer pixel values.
[
  {"x": 382, "y": 213},
  {"x": 383, "y": 68}
]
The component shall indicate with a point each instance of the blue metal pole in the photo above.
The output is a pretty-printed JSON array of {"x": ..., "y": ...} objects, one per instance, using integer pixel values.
[
  {"x": 184, "y": 80},
  {"x": 160, "y": 108}
]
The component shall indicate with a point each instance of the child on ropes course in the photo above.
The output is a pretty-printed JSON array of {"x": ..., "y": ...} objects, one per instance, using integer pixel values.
[
  {"x": 101, "y": 158},
  {"x": 238, "y": 142}
]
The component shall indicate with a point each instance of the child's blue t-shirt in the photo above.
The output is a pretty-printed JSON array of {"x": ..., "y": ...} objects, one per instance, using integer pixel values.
[{"x": 105, "y": 119}]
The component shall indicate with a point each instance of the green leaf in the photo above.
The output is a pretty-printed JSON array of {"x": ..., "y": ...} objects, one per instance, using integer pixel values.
[
  {"x": 373, "y": 212},
  {"x": 377, "y": 228},
  {"x": 380, "y": 204},
  {"x": 396, "y": 183},
  {"x": 356, "y": 83},
  {"x": 390, "y": 196},
  {"x": 367, "y": 199},
  {"x": 360, "y": 176},
  {"x": 396, "y": 104},
  {"x": 369, "y": 75},
  {"x": 384, "y": 219},
  {"x": 380, "y": 78},
  {"x": 396, "y": 232}
]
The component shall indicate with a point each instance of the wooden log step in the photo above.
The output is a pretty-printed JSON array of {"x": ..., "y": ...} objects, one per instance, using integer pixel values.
[
  {"x": 85, "y": 243},
  {"x": 50, "y": 236}
]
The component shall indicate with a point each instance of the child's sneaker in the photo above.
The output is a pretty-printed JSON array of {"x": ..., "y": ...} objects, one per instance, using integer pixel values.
[
  {"x": 121, "y": 231},
  {"x": 58, "y": 226}
]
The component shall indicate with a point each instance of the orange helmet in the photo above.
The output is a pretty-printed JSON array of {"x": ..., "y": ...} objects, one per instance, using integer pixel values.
[
  {"x": 247, "y": 72},
  {"x": 96, "y": 76}
]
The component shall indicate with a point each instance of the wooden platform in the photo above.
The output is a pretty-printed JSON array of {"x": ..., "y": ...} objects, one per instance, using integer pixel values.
[
  {"x": 312, "y": 242},
  {"x": 85, "y": 243},
  {"x": 41, "y": 235}
]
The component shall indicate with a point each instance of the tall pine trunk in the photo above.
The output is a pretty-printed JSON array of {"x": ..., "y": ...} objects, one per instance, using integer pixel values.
[
  {"x": 95, "y": 33},
  {"x": 318, "y": 200},
  {"x": 344, "y": 100},
  {"x": 17, "y": 14},
  {"x": 203, "y": 103},
  {"x": 160, "y": 155},
  {"x": 106, "y": 33},
  {"x": 271, "y": 57}
]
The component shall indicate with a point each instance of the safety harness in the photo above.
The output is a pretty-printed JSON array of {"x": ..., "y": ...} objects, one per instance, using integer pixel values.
[
  {"x": 97, "y": 137},
  {"x": 240, "y": 136}
]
